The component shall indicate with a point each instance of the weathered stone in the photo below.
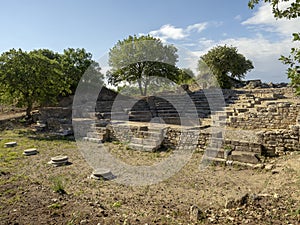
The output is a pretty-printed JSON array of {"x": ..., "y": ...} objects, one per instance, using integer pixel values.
[
  {"x": 30, "y": 151},
  {"x": 10, "y": 144},
  {"x": 102, "y": 173},
  {"x": 269, "y": 167},
  {"x": 59, "y": 160},
  {"x": 196, "y": 214}
]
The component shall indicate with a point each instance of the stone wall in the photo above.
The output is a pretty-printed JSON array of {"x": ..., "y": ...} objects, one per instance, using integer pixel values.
[
  {"x": 270, "y": 116},
  {"x": 56, "y": 118},
  {"x": 278, "y": 142},
  {"x": 186, "y": 139}
]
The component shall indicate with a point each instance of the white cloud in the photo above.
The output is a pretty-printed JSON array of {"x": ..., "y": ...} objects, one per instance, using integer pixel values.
[
  {"x": 169, "y": 31},
  {"x": 199, "y": 27},
  {"x": 238, "y": 17},
  {"x": 264, "y": 19},
  {"x": 273, "y": 38},
  {"x": 262, "y": 52}
]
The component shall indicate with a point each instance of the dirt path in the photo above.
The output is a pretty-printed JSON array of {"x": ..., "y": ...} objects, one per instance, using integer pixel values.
[{"x": 11, "y": 115}]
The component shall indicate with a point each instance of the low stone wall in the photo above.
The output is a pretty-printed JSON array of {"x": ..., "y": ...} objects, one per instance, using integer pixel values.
[
  {"x": 186, "y": 139},
  {"x": 172, "y": 137},
  {"x": 272, "y": 116},
  {"x": 243, "y": 146},
  {"x": 56, "y": 118},
  {"x": 278, "y": 142}
]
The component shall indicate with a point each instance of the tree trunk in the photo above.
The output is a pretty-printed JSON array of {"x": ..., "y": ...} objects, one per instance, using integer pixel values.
[
  {"x": 146, "y": 86},
  {"x": 145, "y": 89},
  {"x": 140, "y": 87},
  {"x": 28, "y": 110}
]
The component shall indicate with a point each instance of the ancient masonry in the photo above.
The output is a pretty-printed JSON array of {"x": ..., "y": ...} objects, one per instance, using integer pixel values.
[{"x": 251, "y": 124}]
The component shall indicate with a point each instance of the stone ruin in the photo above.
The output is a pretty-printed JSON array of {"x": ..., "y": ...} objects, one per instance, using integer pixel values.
[{"x": 258, "y": 123}]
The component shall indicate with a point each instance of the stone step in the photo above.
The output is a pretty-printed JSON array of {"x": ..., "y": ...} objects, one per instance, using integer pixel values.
[
  {"x": 213, "y": 160},
  {"x": 216, "y": 143},
  {"x": 218, "y": 123},
  {"x": 146, "y": 141},
  {"x": 250, "y": 147},
  {"x": 215, "y": 153},
  {"x": 154, "y": 134},
  {"x": 136, "y": 112},
  {"x": 245, "y": 157},
  {"x": 219, "y": 161},
  {"x": 94, "y": 140},
  {"x": 96, "y": 135},
  {"x": 241, "y": 110},
  {"x": 141, "y": 147},
  {"x": 218, "y": 117},
  {"x": 141, "y": 116},
  {"x": 182, "y": 106}
]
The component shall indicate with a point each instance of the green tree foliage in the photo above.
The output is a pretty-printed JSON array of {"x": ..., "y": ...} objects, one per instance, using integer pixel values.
[
  {"x": 76, "y": 62},
  {"x": 293, "y": 60},
  {"x": 143, "y": 60},
  {"x": 222, "y": 62},
  {"x": 291, "y": 11},
  {"x": 185, "y": 76},
  {"x": 40, "y": 76},
  {"x": 28, "y": 78}
]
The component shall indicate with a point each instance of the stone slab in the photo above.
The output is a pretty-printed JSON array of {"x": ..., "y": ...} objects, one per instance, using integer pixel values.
[{"x": 10, "y": 144}]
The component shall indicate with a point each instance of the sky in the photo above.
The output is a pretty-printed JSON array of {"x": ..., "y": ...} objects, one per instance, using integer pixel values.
[{"x": 193, "y": 25}]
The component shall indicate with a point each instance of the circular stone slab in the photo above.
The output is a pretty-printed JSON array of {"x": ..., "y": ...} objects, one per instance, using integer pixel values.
[
  {"x": 59, "y": 159},
  {"x": 11, "y": 144},
  {"x": 30, "y": 151},
  {"x": 102, "y": 172}
]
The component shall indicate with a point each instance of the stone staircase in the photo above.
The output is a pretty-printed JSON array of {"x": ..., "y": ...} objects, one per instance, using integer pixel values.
[
  {"x": 240, "y": 109},
  {"x": 147, "y": 139},
  {"x": 97, "y": 133},
  {"x": 234, "y": 152}
]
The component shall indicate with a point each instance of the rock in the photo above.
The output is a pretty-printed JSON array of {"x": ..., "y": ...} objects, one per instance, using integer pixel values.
[
  {"x": 196, "y": 214},
  {"x": 269, "y": 167},
  {"x": 259, "y": 166},
  {"x": 230, "y": 203},
  {"x": 230, "y": 218},
  {"x": 233, "y": 203},
  {"x": 84, "y": 222},
  {"x": 276, "y": 196},
  {"x": 275, "y": 171}
]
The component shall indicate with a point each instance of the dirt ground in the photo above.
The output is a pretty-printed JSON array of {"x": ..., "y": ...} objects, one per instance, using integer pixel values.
[{"x": 35, "y": 192}]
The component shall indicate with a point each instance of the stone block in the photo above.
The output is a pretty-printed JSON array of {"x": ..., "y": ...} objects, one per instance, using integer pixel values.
[
  {"x": 244, "y": 157},
  {"x": 242, "y": 148}
]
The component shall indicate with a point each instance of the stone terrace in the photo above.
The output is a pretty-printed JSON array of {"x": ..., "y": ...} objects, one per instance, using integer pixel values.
[{"x": 243, "y": 127}]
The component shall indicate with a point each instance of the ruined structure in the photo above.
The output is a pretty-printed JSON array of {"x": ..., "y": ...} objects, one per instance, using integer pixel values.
[{"x": 251, "y": 125}]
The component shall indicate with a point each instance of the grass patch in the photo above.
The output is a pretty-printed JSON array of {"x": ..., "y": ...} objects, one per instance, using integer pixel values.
[
  {"x": 117, "y": 204},
  {"x": 55, "y": 206},
  {"x": 58, "y": 185}
]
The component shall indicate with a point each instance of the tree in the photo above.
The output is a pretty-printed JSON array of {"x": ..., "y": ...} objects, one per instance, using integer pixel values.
[
  {"x": 75, "y": 62},
  {"x": 185, "y": 76},
  {"x": 224, "y": 61},
  {"x": 29, "y": 78},
  {"x": 291, "y": 11},
  {"x": 143, "y": 60}
]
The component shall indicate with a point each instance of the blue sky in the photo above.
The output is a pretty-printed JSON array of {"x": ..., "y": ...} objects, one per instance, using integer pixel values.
[{"x": 196, "y": 25}]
